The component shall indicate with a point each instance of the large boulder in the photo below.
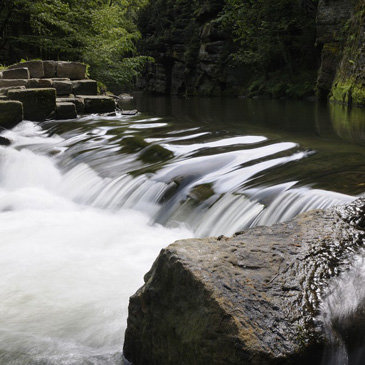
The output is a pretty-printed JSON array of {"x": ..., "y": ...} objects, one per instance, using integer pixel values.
[
  {"x": 253, "y": 298},
  {"x": 35, "y": 67},
  {"x": 71, "y": 70},
  {"x": 38, "y": 104},
  {"x": 11, "y": 113}
]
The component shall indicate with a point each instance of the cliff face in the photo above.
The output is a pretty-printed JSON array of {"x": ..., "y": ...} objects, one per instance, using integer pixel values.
[
  {"x": 189, "y": 48},
  {"x": 349, "y": 82},
  {"x": 192, "y": 51},
  {"x": 332, "y": 16},
  {"x": 341, "y": 36}
]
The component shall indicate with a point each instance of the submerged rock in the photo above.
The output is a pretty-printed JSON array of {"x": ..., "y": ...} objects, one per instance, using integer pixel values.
[{"x": 253, "y": 298}]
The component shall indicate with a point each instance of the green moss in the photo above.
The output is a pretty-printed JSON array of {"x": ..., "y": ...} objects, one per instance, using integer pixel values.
[
  {"x": 331, "y": 48},
  {"x": 341, "y": 91},
  {"x": 358, "y": 95},
  {"x": 348, "y": 92}
]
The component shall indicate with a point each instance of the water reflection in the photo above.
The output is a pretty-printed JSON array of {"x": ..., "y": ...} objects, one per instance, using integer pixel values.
[{"x": 348, "y": 123}]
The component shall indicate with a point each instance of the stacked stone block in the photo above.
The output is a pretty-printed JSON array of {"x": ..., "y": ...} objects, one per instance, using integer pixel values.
[{"x": 48, "y": 89}]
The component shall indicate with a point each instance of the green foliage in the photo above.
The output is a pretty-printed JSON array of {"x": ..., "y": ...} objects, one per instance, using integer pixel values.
[
  {"x": 278, "y": 84},
  {"x": 101, "y": 33},
  {"x": 275, "y": 39},
  {"x": 270, "y": 34}
]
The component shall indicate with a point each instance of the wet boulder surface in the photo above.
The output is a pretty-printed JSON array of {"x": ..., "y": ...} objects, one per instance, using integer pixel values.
[{"x": 254, "y": 298}]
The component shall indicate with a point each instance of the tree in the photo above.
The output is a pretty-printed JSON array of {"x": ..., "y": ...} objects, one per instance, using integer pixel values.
[
  {"x": 101, "y": 33},
  {"x": 270, "y": 34}
]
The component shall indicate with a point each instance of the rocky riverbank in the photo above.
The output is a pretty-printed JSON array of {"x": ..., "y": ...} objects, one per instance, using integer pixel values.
[
  {"x": 39, "y": 90},
  {"x": 253, "y": 298}
]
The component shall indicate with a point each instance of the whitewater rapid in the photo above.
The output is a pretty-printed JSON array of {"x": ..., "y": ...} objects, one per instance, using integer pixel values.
[{"x": 67, "y": 269}]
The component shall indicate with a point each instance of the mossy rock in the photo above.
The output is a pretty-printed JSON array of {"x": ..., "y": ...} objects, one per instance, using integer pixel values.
[
  {"x": 348, "y": 92},
  {"x": 201, "y": 192},
  {"x": 133, "y": 144},
  {"x": 341, "y": 91},
  {"x": 155, "y": 153},
  {"x": 38, "y": 104},
  {"x": 11, "y": 113}
]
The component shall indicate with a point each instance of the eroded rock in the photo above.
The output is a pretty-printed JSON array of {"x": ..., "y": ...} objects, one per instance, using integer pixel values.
[{"x": 250, "y": 299}]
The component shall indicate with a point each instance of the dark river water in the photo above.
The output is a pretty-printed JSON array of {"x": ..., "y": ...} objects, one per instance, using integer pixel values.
[{"x": 86, "y": 204}]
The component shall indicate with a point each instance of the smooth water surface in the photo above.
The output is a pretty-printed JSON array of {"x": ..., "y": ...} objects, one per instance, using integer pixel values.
[{"x": 86, "y": 205}]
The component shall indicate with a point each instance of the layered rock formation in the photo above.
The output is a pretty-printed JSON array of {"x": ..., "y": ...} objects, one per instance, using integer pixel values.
[{"x": 253, "y": 298}]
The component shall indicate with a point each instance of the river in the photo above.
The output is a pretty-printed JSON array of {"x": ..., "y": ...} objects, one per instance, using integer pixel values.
[{"x": 87, "y": 204}]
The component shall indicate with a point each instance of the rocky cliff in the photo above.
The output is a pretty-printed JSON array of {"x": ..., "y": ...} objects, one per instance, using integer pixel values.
[
  {"x": 189, "y": 48},
  {"x": 253, "y": 298},
  {"x": 341, "y": 36},
  {"x": 192, "y": 50}
]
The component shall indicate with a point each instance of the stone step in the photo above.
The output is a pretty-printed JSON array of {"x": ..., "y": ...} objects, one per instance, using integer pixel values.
[
  {"x": 72, "y": 70},
  {"x": 16, "y": 73},
  {"x": 98, "y": 104},
  {"x": 4, "y": 90},
  {"x": 79, "y": 103},
  {"x": 13, "y": 82},
  {"x": 65, "y": 110},
  {"x": 38, "y": 104},
  {"x": 84, "y": 87},
  {"x": 62, "y": 87},
  {"x": 35, "y": 67},
  {"x": 11, "y": 113}
]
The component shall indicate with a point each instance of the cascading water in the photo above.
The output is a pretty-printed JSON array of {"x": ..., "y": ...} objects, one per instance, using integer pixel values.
[{"x": 86, "y": 205}]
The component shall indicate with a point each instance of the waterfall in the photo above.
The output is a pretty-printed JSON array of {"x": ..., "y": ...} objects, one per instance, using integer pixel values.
[{"x": 81, "y": 222}]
